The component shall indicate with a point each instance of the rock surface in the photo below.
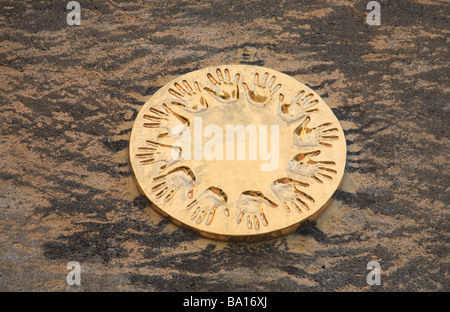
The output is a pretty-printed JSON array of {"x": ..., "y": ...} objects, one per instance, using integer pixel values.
[{"x": 69, "y": 95}]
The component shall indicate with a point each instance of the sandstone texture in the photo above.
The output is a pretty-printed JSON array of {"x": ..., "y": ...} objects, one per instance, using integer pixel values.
[{"x": 69, "y": 96}]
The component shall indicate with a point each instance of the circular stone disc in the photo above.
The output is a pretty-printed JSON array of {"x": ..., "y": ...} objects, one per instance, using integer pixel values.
[{"x": 237, "y": 152}]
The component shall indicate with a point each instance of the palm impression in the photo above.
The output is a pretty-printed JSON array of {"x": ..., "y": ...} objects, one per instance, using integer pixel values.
[
  {"x": 225, "y": 90},
  {"x": 301, "y": 105},
  {"x": 304, "y": 165},
  {"x": 188, "y": 98},
  {"x": 322, "y": 134},
  {"x": 163, "y": 154},
  {"x": 251, "y": 204},
  {"x": 289, "y": 193},
  {"x": 165, "y": 121},
  {"x": 262, "y": 91},
  {"x": 179, "y": 180},
  {"x": 207, "y": 203}
]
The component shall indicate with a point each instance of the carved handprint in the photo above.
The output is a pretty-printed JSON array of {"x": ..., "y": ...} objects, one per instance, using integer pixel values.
[
  {"x": 301, "y": 105},
  {"x": 251, "y": 205},
  {"x": 207, "y": 203},
  {"x": 226, "y": 91},
  {"x": 262, "y": 91},
  {"x": 169, "y": 122},
  {"x": 287, "y": 191},
  {"x": 156, "y": 152},
  {"x": 179, "y": 179},
  {"x": 305, "y": 166},
  {"x": 191, "y": 100},
  {"x": 319, "y": 135}
]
